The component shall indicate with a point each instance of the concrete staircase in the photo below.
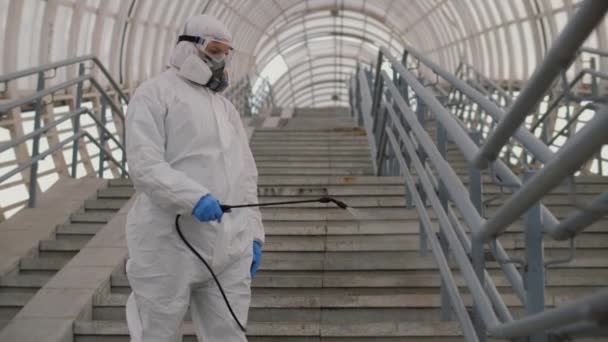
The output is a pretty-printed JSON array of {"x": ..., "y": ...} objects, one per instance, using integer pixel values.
[
  {"x": 327, "y": 275},
  {"x": 33, "y": 271}
]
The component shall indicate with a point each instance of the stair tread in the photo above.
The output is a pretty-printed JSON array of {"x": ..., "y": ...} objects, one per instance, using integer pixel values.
[
  {"x": 25, "y": 280},
  {"x": 405, "y": 329},
  {"x": 14, "y": 298},
  {"x": 330, "y": 299}
]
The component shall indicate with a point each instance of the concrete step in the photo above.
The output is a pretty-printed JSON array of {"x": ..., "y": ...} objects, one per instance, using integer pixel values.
[
  {"x": 333, "y": 305},
  {"x": 120, "y": 182},
  {"x": 295, "y": 185},
  {"x": 262, "y": 143},
  {"x": 78, "y": 228},
  {"x": 312, "y": 159},
  {"x": 302, "y": 140},
  {"x": 553, "y": 202},
  {"x": 116, "y": 193},
  {"x": 350, "y": 190},
  {"x": 361, "y": 214},
  {"x": 331, "y": 180},
  {"x": 287, "y": 132},
  {"x": 8, "y": 299},
  {"x": 104, "y": 204},
  {"x": 87, "y": 331},
  {"x": 64, "y": 245},
  {"x": 25, "y": 281},
  {"x": 383, "y": 270},
  {"x": 93, "y": 216},
  {"x": 331, "y": 214},
  {"x": 400, "y": 242},
  {"x": 352, "y": 130},
  {"x": 8, "y": 312},
  {"x": 297, "y": 149},
  {"x": 373, "y": 227},
  {"x": 326, "y": 164},
  {"x": 491, "y": 192},
  {"x": 44, "y": 264},
  {"x": 329, "y": 153},
  {"x": 318, "y": 172},
  {"x": 316, "y": 138}
]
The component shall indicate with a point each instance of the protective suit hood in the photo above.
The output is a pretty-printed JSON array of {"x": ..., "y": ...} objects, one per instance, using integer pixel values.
[{"x": 185, "y": 54}]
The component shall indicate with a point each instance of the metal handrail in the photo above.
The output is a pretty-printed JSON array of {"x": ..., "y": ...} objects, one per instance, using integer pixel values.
[
  {"x": 444, "y": 268},
  {"x": 6, "y": 106},
  {"x": 602, "y": 53},
  {"x": 64, "y": 63},
  {"x": 38, "y": 99},
  {"x": 533, "y": 145},
  {"x": 33, "y": 160},
  {"x": 381, "y": 109},
  {"x": 508, "y": 98},
  {"x": 572, "y": 121},
  {"x": 577, "y": 150},
  {"x": 551, "y": 107},
  {"x": 55, "y": 123},
  {"x": 524, "y": 136},
  {"x": 480, "y": 82},
  {"x": 561, "y": 54}
]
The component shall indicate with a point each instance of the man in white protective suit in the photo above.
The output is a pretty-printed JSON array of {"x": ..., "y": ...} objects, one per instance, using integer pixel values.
[{"x": 187, "y": 153}]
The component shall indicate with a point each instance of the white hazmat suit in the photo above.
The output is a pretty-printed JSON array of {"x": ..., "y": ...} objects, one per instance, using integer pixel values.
[{"x": 183, "y": 142}]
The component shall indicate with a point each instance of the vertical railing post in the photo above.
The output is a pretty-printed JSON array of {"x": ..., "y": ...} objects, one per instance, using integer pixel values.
[
  {"x": 377, "y": 99},
  {"x": 102, "y": 137},
  {"x": 594, "y": 81},
  {"x": 76, "y": 122},
  {"x": 534, "y": 271},
  {"x": 477, "y": 245},
  {"x": 421, "y": 114},
  {"x": 33, "y": 185},
  {"x": 358, "y": 100},
  {"x": 403, "y": 90},
  {"x": 442, "y": 146}
]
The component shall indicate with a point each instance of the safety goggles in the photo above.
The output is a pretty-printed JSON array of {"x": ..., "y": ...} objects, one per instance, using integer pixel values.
[{"x": 218, "y": 50}]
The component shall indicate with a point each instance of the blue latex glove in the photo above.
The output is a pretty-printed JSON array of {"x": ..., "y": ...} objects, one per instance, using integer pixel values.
[
  {"x": 257, "y": 257},
  {"x": 208, "y": 209}
]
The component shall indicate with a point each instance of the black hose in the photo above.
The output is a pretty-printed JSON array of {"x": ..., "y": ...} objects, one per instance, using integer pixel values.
[
  {"x": 219, "y": 285},
  {"x": 227, "y": 209}
]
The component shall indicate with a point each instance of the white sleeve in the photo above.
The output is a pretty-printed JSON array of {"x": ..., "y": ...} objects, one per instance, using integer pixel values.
[
  {"x": 150, "y": 172},
  {"x": 250, "y": 181}
]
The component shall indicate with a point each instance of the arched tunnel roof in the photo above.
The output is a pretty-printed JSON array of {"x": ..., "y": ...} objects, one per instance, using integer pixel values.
[{"x": 305, "y": 48}]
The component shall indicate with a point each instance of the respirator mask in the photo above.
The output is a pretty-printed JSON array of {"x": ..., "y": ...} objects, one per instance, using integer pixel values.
[{"x": 208, "y": 67}]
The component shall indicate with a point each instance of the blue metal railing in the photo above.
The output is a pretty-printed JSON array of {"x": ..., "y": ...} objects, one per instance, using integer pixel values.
[{"x": 395, "y": 113}]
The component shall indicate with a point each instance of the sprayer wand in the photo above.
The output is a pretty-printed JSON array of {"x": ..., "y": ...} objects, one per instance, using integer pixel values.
[{"x": 228, "y": 208}]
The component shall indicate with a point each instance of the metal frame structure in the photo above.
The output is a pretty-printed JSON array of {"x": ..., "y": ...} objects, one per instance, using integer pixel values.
[
  {"x": 503, "y": 39},
  {"x": 394, "y": 110}
]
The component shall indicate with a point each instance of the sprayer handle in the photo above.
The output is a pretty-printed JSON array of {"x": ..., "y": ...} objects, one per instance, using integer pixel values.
[{"x": 226, "y": 208}]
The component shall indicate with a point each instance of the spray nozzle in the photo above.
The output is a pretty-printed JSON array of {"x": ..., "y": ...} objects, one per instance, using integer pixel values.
[{"x": 340, "y": 204}]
